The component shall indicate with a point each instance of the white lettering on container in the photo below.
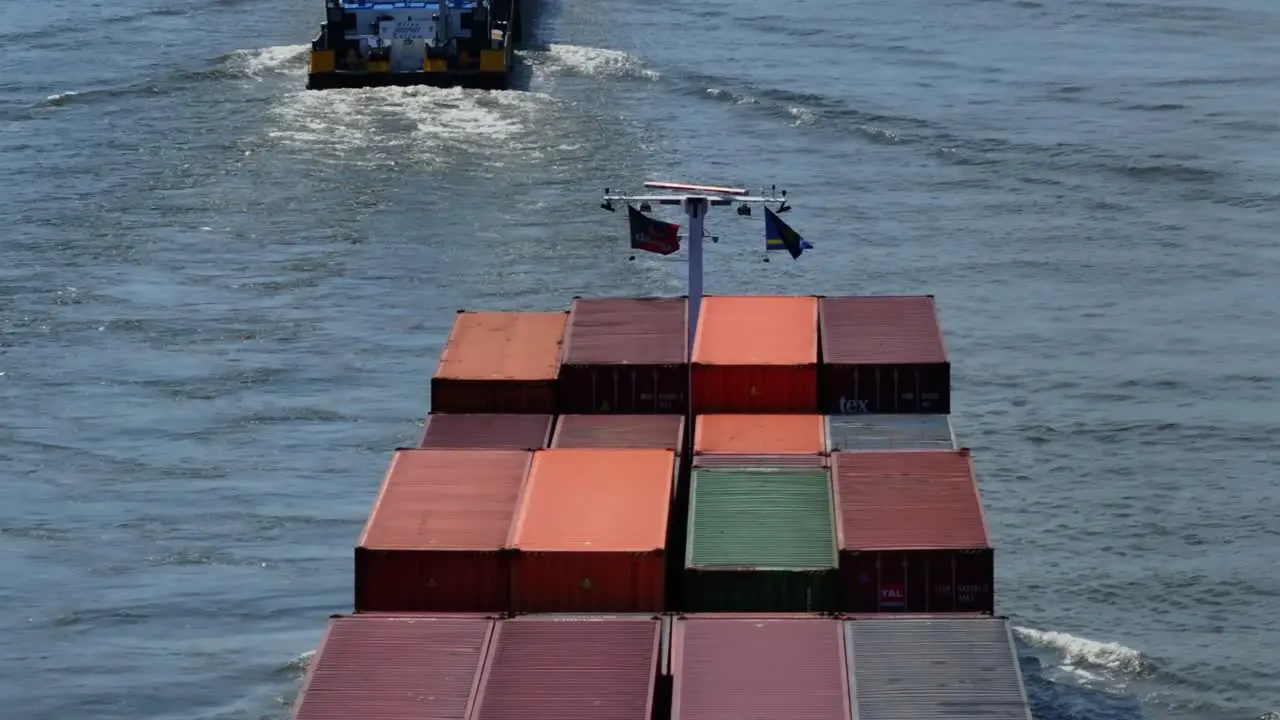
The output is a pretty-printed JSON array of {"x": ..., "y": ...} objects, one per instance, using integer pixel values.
[{"x": 852, "y": 407}]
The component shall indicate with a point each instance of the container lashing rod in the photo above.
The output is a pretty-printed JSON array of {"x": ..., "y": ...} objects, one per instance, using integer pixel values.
[{"x": 696, "y": 201}]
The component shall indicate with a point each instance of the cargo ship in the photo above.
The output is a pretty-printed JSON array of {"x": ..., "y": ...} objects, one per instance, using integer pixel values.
[
  {"x": 630, "y": 509},
  {"x": 446, "y": 43}
]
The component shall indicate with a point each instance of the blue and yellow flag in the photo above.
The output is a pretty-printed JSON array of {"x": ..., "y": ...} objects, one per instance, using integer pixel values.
[{"x": 779, "y": 236}]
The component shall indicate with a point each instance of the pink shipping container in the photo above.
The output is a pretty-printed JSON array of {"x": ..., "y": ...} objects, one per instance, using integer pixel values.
[
  {"x": 435, "y": 538},
  {"x": 496, "y": 431},
  {"x": 760, "y": 667},
  {"x": 912, "y": 534},
  {"x": 660, "y": 432},
  {"x": 882, "y": 355},
  {"x": 571, "y": 668},
  {"x": 388, "y": 667}
]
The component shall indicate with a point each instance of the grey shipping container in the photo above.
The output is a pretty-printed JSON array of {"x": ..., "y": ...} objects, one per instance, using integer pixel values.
[
  {"x": 887, "y": 431},
  {"x": 625, "y": 356},
  {"x": 761, "y": 540},
  {"x": 934, "y": 669}
]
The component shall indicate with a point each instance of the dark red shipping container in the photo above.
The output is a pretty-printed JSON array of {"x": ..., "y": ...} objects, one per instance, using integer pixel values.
[
  {"x": 571, "y": 668},
  {"x": 760, "y": 461},
  {"x": 496, "y": 431},
  {"x": 382, "y": 667},
  {"x": 626, "y": 356},
  {"x": 779, "y": 668},
  {"x": 882, "y": 355},
  {"x": 912, "y": 534},
  {"x": 500, "y": 362},
  {"x": 436, "y": 537},
  {"x": 663, "y": 432}
]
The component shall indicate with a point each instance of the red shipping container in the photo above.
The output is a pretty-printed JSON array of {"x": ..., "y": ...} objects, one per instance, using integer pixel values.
[
  {"x": 760, "y": 434},
  {"x": 883, "y": 355},
  {"x": 626, "y": 355},
  {"x": 436, "y": 536},
  {"x": 756, "y": 354},
  {"x": 590, "y": 532},
  {"x": 571, "y": 668},
  {"x": 383, "y": 667},
  {"x": 496, "y": 431},
  {"x": 620, "y": 431},
  {"x": 912, "y": 534},
  {"x": 500, "y": 362},
  {"x": 760, "y": 667}
]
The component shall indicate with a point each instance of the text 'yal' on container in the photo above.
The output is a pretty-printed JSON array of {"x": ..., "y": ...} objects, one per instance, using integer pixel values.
[
  {"x": 882, "y": 431},
  {"x": 761, "y": 668},
  {"x": 500, "y": 362},
  {"x": 571, "y": 668},
  {"x": 435, "y": 537},
  {"x": 626, "y": 355},
  {"x": 374, "y": 667},
  {"x": 498, "y": 431},
  {"x": 590, "y": 533},
  {"x": 761, "y": 540},
  {"x": 882, "y": 355},
  {"x": 756, "y": 354},
  {"x": 935, "y": 669},
  {"x": 659, "y": 432},
  {"x": 912, "y": 532},
  {"x": 760, "y": 434}
]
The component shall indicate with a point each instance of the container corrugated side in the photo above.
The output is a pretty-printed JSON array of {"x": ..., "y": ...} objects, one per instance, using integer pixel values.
[
  {"x": 663, "y": 432},
  {"x": 760, "y": 540},
  {"x": 934, "y": 670},
  {"x": 912, "y": 533},
  {"x": 389, "y": 667},
  {"x": 790, "y": 434},
  {"x": 882, "y": 355},
  {"x": 500, "y": 362},
  {"x": 765, "y": 668},
  {"x": 571, "y": 668},
  {"x": 760, "y": 461},
  {"x": 626, "y": 356},
  {"x": 512, "y": 431},
  {"x": 435, "y": 538},
  {"x": 591, "y": 530},
  {"x": 880, "y": 431}
]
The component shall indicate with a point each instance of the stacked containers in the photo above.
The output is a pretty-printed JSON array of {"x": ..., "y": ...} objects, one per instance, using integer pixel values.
[
  {"x": 495, "y": 431},
  {"x": 912, "y": 533}
]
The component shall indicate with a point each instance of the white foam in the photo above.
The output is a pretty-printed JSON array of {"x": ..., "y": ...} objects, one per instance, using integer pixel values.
[
  {"x": 591, "y": 61},
  {"x": 260, "y": 62},
  {"x": 1081, "y": 656}
]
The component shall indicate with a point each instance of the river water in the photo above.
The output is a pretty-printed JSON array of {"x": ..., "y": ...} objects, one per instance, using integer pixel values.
[{"x": 222, "y": 297}]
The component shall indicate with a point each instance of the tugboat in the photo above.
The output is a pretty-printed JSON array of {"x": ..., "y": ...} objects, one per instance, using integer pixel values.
[{"x": 446, "y": 43}]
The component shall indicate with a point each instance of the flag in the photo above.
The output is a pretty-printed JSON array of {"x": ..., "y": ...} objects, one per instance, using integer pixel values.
[
  {"x": 779, "y": 236},
  {"x": 652, "y": 235}
]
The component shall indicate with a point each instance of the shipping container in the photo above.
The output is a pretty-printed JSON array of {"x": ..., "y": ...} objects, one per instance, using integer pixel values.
[
  {"x": 934, "y": 669},
  {"x": 882, "y": 355},
  {"x": 590, "y": 532},
  {"x": 500, "y": 362},
  {"x": 661, "y": 432},
  {"x": 571, "y": 668},
  {"x": 763, "y": 668},
  {"x": 436, "y": 536},
  {"x": 759, "y": 435},
  {"x": 511, "y": 431},
  {"x": 760, "y": 461},
  {"x": 761, "y": 540},
  {"x": 756, "y": 354},
  {"x": 380, "y": 667},
  {"x": 626, "y": 355},
  {"x": 890, "y": 432},
  {"x": 912, "y": 533}
]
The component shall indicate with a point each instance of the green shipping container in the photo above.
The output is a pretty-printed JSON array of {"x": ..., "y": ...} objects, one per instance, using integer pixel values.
[{"x": 761, "y": 540}]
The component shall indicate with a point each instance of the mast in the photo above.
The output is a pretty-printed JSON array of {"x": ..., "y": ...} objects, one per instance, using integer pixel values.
[{"x": 696, "y": 201}]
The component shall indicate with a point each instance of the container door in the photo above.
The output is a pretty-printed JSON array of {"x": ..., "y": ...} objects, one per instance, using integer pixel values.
[{"x": 893, "y": 583}]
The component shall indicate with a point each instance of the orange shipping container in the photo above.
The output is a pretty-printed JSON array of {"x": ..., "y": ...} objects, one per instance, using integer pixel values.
[
  {"x": 756, "y": 354},
  {"x": 500, "y": 362},
  {"x": 436, "y": 537},
  {"x": 590, "y": 531},
  {"x": 760, "y": 435}
]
